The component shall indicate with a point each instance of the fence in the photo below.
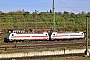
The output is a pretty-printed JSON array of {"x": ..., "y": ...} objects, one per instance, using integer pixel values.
[
  {"x": 42, "y": 53},
  {"x": 61, "y": 26}
]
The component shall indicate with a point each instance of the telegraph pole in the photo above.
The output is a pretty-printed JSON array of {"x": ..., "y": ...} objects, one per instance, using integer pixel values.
[
  {"x": 53, "y": 8},
  {"x": 87, "y": 52}
]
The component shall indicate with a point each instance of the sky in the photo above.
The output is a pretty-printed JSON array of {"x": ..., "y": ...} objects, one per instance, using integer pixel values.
[{"x": 75, "y": 6}]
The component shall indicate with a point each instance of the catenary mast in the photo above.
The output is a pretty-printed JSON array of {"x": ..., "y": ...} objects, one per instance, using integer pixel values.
[{"x": 53, "y": 13}]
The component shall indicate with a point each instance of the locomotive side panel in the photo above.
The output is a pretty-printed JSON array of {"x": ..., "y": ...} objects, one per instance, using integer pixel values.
[
  {"x": 67, "y": 35},
  {"x": 78, "y": 35},
  {"x": 44, "y": 36},
  {"x": 56, "y": 35},
  {"x": 28, "y": 36}
]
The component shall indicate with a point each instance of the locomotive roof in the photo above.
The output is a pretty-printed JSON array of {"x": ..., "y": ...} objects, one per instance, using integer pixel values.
[{"x": 68, "y": 32}]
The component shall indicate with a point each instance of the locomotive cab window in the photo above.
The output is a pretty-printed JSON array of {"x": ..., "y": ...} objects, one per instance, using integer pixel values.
[
  {"x": 46, "y": 34},
  {"x": 12, "y": 34},
  {"x": 53, "y": 34}
]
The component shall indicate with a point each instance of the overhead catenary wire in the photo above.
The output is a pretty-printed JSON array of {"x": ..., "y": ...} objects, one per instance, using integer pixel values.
[
  {"x": 68, "y": 6},
  {"x": 31, "y": 6}
]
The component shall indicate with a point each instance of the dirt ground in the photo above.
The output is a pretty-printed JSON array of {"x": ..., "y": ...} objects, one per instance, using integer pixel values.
[{"x": 84, "y": 59}]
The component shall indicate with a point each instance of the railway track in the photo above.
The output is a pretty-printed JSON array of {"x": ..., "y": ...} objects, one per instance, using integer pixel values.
[
  {"x": 46, "y": 44},
  {"x": 40, "y": 44}
]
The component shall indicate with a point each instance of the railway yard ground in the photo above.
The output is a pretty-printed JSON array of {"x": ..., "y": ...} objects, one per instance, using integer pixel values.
[
  {"x": 32, "y": 46},
  {"x": 41, "y": 46}
]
